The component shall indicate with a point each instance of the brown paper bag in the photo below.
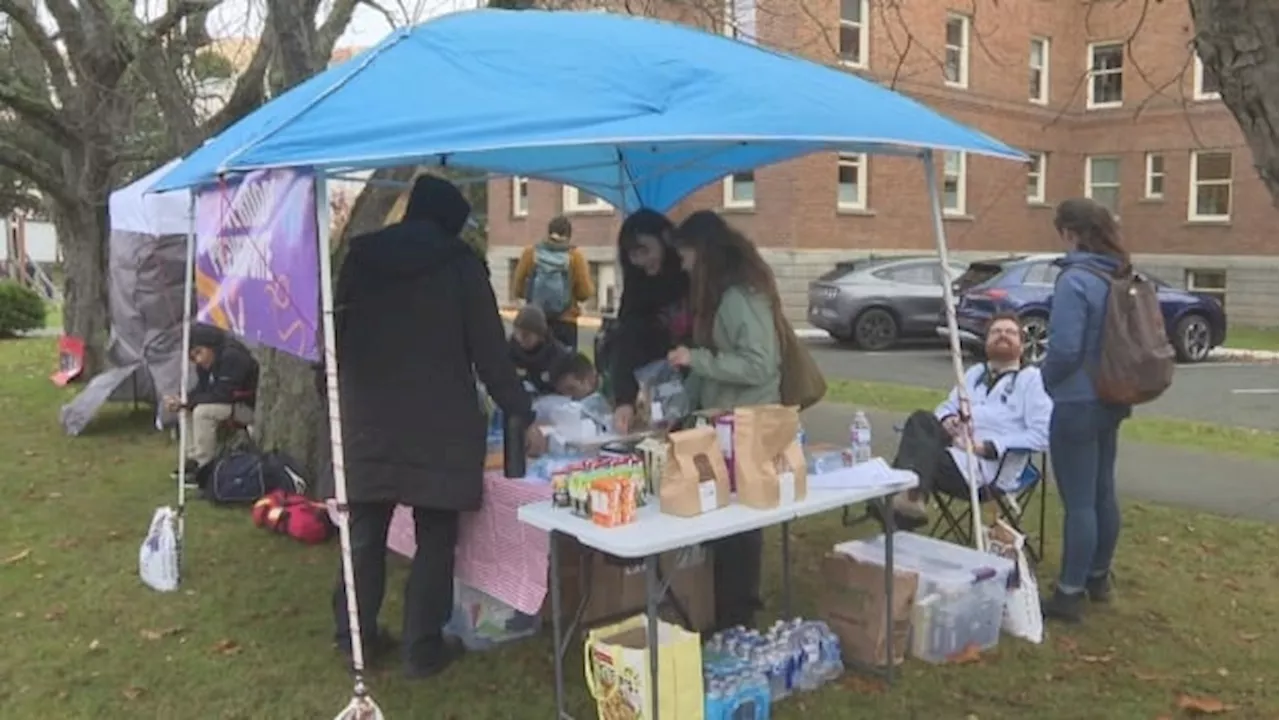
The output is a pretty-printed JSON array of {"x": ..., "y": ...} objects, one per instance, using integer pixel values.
[
  {"x": 695, "y": 479},
  {"x": 768, "y": 462},
  {"x": 853, "y": 605}
]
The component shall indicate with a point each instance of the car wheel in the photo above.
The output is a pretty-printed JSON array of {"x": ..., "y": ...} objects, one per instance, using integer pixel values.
[
  {"x": 1035, "y": 339},
  {"x": 1193, "y": 340},
  {"x": 875, "y": 329}
]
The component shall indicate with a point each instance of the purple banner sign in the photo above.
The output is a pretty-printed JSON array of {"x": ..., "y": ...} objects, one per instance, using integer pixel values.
[{"x": 257, "y": 265}]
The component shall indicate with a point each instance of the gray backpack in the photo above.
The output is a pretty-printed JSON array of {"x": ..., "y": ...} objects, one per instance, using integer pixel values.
[{"x": 548, "y": 285}]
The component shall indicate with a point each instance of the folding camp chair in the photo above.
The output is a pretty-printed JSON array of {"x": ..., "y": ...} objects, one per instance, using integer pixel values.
[{"x": 1012, "y": 504}]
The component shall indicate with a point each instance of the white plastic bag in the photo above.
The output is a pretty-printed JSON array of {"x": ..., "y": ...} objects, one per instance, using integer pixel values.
[
  {"x": 1022, "y": 616},
  {"x": 158, "y": 557}
]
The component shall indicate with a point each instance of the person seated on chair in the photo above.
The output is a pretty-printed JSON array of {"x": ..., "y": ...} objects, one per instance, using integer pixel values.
[
  {"x": 226, "y": 390},
  {"x": 1010, "y": 411},
  {"x": 534, "y": 350}
]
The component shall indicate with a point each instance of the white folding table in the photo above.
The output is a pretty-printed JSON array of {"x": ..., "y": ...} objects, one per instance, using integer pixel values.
[{"x": 654, "y": 533}]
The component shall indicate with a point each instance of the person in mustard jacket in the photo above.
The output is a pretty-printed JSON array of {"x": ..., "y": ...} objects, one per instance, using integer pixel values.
[{"x": 554, "y": 276}]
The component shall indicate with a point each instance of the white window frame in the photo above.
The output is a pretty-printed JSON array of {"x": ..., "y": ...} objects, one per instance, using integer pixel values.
[
  {"x": 1197, "y": 83},
  {"x": 961, "y": 182},
  {"x": 734, "y": 204},
  {"x": 1038, "y": 165},
  {"x": 519, "y": 185},
  {"x": 1192, "y": 274},
  {"x": 1088, "y": 178},
  {"x": 1149, "y": 193},
  {"x": 572, "y": 206},
  {"x": 1193, "y": 215},
  {"x": 1090, "y": 103},
  {"x": 1043, "y": 97},
  {"x": 965, "y": 22},
  {"x": 845, "y": 160},
  {"x": 863, "y": 59}
]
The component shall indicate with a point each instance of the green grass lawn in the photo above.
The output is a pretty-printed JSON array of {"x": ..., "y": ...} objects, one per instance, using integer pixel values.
[
  {"x": 248, "y": 636},
  {"x": 1247, "y": 442},
  {"x": 1252, "y": 338}
]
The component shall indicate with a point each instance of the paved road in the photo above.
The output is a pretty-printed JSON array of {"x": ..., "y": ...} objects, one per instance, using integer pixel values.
[
  {"x": 1220, "y": 393},
  {"x": 1220, "y": 484}
]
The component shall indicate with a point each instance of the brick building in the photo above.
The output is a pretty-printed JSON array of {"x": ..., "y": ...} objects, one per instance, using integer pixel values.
[{"x": 1110, "y": 103}]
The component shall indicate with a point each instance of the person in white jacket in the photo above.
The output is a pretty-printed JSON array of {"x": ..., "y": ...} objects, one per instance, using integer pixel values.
[{"x": 1010, "y": 411}]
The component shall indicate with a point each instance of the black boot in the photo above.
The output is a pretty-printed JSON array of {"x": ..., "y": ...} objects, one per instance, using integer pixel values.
[
  {"x": 1099, "y": 588},
  {"x": 1063, "y": 607},
  {"x": 432, "y": 658},
  {"x": 376, "y": 648}
]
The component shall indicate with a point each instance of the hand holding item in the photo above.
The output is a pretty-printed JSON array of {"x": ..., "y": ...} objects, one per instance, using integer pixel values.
[
  {"x": 951, "y": 424},
  {"x": 622, "y": 417},
  {"x": 680, "y": 357},
  {"x": 172, "y": 404},
  {"x": 535, "y": 441}
]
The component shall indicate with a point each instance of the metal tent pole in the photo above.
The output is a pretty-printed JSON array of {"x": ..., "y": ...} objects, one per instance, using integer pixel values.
[
  {"x": 953, "y": 332},
  {"x": 185, "y": 376}
]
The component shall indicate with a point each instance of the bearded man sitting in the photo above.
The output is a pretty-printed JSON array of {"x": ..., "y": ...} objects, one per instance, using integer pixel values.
[{"x": 1010, "y": 411}]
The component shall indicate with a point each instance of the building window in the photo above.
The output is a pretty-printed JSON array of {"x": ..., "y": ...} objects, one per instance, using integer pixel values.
[
  {"x": 955, "y": 64},
  {"x": 1106, "y": 75},
  {"x": 740, "y": 20},
  {"x": 1204, "y": 86},
  {"x": 740, "y": 190},
  {"x": 1039, "y": 90},
  {"x": 851, "y": 187},
  {"x": 1035, "y": 178},
  {"x": 581, "y": 201},
  {"x": 953, "y": 172},
  {"x": 519, "y": 196},
  {"x": 1102, "y": 182},
  {"x": 853, "y": 32},
  {"x": 1210, "y": 187},
  {"x": 1208, "y": 282},
  {"x": 1155, "y": 177}
]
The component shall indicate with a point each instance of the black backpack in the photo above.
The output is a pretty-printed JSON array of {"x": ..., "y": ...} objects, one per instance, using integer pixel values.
[{"x": 243, "y": 477}]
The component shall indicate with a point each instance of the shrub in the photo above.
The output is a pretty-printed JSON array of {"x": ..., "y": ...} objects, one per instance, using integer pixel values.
[{"x": 21, "y": 309}]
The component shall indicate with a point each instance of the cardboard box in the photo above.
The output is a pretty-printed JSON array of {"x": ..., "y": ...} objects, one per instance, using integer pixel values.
[{"x": 618, "y": 586}]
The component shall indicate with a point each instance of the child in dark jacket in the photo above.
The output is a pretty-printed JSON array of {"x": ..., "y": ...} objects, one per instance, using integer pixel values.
[{"x": 534, "y": 351}]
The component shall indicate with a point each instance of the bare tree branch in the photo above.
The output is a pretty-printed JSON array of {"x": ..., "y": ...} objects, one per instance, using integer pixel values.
[
  {"x": 249, "y": 90},
  {"x": 38, "y": 113},
  {"x": 39, "y": 173},
  {"x": 26, "y": 20},
  {"x": 336, "y": 24}
]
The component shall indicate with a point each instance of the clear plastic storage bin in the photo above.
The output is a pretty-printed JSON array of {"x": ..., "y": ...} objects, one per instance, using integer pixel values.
[
  {"x": 482, "y": 622},
  {"x": 960, "y": 597}
]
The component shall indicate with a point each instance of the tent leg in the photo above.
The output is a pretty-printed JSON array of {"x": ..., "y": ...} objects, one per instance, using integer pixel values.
[
  {"x": 184, "y": 378},
  {"x": 957, "y": 362},
  {"x": 335, "y": 426}
]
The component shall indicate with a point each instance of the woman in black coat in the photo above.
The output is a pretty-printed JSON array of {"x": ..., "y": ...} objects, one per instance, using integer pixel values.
[{"x": 417, "y": 325}]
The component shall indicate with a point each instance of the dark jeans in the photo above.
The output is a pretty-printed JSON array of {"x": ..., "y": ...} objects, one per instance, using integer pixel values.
[
  {"x": 428, "y": 594},
  {"x": 736, "y": 574},
  {"x": 1082, "y": 445},
  {"x": 566, "y": 331},
  {"x": 923, "y": 450}
]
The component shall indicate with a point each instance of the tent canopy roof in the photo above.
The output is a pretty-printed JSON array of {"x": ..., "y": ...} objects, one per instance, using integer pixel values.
[
  {"x": 634, "y": 110},
  {"x": 134, "y": 208}
]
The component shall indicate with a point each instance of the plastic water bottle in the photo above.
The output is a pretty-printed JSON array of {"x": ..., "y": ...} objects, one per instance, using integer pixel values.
[
  {"x": 860, "y": 437},
  {"x": 801, "y": 436}
]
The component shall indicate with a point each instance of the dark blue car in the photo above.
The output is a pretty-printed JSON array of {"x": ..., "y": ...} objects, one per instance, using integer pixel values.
[{"x": 1024, "y": 285}]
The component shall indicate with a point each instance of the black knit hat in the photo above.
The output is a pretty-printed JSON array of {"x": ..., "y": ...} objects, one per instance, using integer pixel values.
[{"x": 532, "y": 319}]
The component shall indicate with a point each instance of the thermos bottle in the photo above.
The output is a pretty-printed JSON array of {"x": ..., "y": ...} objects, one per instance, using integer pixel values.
[{"x": 513, "y": 458}]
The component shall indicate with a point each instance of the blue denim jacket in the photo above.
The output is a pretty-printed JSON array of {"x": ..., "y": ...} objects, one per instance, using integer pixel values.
[{"x": 1075, "y": 327}]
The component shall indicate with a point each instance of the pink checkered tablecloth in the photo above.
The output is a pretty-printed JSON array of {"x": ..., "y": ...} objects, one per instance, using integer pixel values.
[{"x": 497, "y": 554}]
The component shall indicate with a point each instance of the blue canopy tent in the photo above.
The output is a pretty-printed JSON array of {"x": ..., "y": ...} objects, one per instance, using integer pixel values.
[{"x": 636, "y": 111}]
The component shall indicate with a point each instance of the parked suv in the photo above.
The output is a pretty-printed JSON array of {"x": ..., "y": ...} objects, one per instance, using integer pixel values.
[{"x": 874, "y": 302}]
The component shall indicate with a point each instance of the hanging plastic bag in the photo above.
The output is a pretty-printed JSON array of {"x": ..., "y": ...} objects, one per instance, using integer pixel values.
[
  {"x": 158, "y": 557},
  {"x": 662, "y": 392},
  {"x": 1022, "y": 616}
]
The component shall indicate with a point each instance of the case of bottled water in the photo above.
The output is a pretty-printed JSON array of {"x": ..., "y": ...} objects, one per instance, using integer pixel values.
[{"x": 746, "y": 670}]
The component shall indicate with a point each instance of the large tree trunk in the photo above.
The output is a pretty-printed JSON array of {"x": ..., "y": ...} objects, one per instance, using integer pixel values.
[
  {"x": 1236, "y": 41},
  {"x": 82, "y": 232},
  {"x": 291, "y": 414}
]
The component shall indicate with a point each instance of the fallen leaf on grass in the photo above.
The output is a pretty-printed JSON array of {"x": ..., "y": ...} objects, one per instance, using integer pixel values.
[
  {"x": 132, "y": 692},
  {"x": 65, "y": 543},
  {"x": 56, "y": 613},
  {"x": 1148, "y": 677},
  {"x": 1202, "y": 705},
  {"x": 1248, "y": 637},
  {"x": 968, "y": 654},
  {"x": 1068, "y": 644},
  {"x": 1096, "y": 659},
  {"x": 54, "y": 495},
  {"x": 1231, "y": 584},
  {"x": 226, "y": 647},
  {"x": 94, "y": 646},
  {"x": 1162, "y": 539},
  {"x": 113, "y": 535},
  {"x": 859, "y": 684},
  {"x": 160, "y": 634},
  {"x": 16, "y": 557}
]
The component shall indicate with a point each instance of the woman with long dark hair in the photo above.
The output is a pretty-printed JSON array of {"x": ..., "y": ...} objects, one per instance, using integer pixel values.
[
  {"x": 735, "y": 360},
  {"x": 1083, "y": 430},
  {"x": 653, "y": 313}
]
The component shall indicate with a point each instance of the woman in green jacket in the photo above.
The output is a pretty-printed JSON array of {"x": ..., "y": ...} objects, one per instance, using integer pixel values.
[{"x": 735, "y": 361}]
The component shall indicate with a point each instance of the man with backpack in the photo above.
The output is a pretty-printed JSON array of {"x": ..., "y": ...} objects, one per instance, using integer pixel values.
[{"x": 554, "y": 276}]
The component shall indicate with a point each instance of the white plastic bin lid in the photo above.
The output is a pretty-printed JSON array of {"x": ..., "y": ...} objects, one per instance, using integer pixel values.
[{"x": 937, "y": 562}]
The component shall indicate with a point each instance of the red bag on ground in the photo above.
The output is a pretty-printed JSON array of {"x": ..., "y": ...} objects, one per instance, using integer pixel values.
[{"x": 294, "y": 515}]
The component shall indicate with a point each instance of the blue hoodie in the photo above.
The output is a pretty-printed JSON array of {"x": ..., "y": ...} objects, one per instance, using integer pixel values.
[{"x": 1075, "y": 326}]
